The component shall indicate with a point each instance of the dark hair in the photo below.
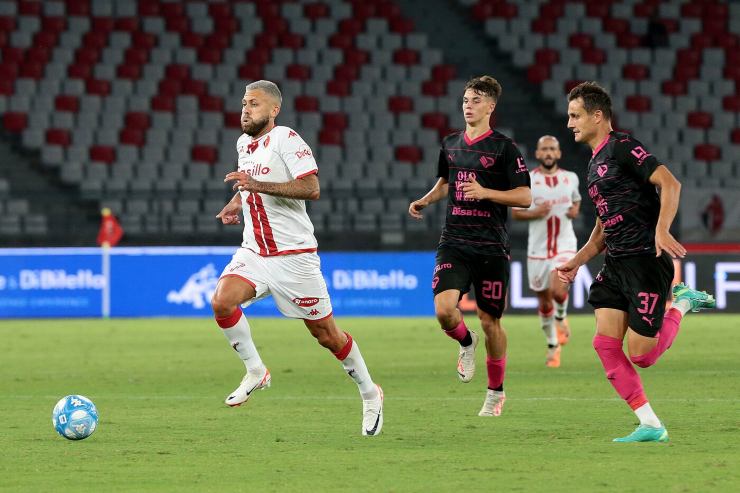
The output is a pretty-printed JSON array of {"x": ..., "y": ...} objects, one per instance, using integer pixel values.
[
  {"x": 486, "y": 85},
  {"x": 594, "y": 98}
]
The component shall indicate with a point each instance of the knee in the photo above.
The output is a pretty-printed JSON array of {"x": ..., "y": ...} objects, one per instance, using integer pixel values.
[
  {"x": 546, "y": 307},
  {"x": 490, "y": 327},
  {"x": 446, "y": 317},
  {"x": 643, "y": 361},
  {"x": 220, "y": 307}
]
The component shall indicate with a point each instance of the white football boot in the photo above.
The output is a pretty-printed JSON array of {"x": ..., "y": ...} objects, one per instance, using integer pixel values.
[
  {"x": 372, "y": 414},
  {"x": 466, "y": 360},
  {"x": 250, "y": 383},
  {"x": 494, "y": 403}
]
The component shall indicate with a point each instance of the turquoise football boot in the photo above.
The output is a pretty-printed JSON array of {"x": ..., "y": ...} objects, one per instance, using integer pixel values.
[
  {"x": 645, "y": 433},
  {"x": 698, "y": 300}
]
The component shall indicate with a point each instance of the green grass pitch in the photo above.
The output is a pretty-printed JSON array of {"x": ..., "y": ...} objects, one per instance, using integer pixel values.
[{"x": 159, "y": 386}]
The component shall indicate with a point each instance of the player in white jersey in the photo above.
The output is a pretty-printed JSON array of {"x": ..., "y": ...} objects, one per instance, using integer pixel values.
[
  {"x": 552, "y": 241},
  {"x": 276, "y": 174}
]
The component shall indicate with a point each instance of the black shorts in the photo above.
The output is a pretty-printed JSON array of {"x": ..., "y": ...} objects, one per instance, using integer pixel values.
[
  {"x": 488, "y": 274},
  {"x": 639, "y": 286}
]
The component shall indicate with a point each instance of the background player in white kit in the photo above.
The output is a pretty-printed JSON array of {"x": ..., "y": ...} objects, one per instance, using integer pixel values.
[
  {"x": 552, "y": 241},
  {"x": 276, "y": 174}
]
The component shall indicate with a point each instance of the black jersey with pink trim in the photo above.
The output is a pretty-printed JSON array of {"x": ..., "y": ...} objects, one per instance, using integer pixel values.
[
  {"x": 626, "y": 202},
  {"x": 479, "y": 226}
]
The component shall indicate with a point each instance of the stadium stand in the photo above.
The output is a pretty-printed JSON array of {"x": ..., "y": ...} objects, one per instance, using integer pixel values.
[{"x": 134, "y": 104}]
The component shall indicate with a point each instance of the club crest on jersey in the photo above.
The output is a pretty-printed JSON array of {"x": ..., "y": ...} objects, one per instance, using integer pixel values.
[
  {"x": 602, "y": 169},
  {"x": 292, "y": 134},
  {"x": 305, "y": 301},
  {"x": 252, "y": 146},
  {"x": 487, "y": 161}
]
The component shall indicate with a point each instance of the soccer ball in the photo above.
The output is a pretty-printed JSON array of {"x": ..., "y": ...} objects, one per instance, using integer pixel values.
[{"x": 75, "y": 417}]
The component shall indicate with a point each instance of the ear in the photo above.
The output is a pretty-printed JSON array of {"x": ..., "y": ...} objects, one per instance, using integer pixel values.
[
  {"x": 598, "y": 116},
  {"x": 275, "y": 111}
]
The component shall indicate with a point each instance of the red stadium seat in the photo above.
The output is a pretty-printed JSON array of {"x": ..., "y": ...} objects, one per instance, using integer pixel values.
[
  {"x": 65, "y": 102},
  {"x": 163, "y": 103},
  {"x": 638, "y": 104},
  {"x": 339, "y": 88},
  {"x": 211, "y": 103},
  {"x": 401, "y": 25},
  {"x": 409, "y": 154},
  {"x": 297, "y": 71},
  {"x": 233, "y": 119},
  {"x": 316, "y": 11},
  {"x": 635, "y": 71},
  {"x": 58, "y": 136},
  {"x": 137, "y": 120},
  {"x": 204, "y": 153},
  {"x": 15, "y": 121},
  {"x": 674, "y": 88},
  {"x": 593, "y": 56},
  {"x": 537, "y": 74},
  {"x": 103, "y": 154},
  {"x": 434, "y": 120},
  {"x": 544, "y": 25},
  {"x": 699, "y": 119},
  {"x": 132, "y": 136},
  {"x": 581, "y": 41},
  {"x": 177, "y": 71},
  {"x": 731, "y": 103},
  {"x": 406, "y": 56},
  {"x": 546, "y": 56},
  {"x": 434, "y": 88},
  {"x": 131, "y": 72},
  {"x": 444, "y": 72},
  {"x": 735, "y": 136},
  {"x": 306, "y": 103},
  {"x": 330, "y": 137},
  {"x": 707, "y": 152},
  {"x": 97, "y": 86},
  {"x": 335, "y": 121}
]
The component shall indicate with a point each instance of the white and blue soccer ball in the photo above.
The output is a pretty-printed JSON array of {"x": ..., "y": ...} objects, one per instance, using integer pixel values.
[{"x": 75, "y": 417}]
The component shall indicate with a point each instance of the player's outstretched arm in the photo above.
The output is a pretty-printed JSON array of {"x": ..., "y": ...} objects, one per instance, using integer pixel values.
[
  {"x": 517, "y": 197},
  {"x": 670, "y": 191},
  {"x": 538, "y": 212},
  {"x": 594, "y": 246},
  {"x": 437, "y": 193},
  {"x": 230, "y": 213},
  {"x": 305, "y": 188}
]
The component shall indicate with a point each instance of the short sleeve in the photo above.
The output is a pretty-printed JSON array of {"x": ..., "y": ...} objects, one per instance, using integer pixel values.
[
  {"x": 297, "y": 155},
  {"x": 634, "y": 159},
  {"x": 575, "y": 195},
  {"x": 443, "y": 166},
  {"x": 516, "y": 167}
]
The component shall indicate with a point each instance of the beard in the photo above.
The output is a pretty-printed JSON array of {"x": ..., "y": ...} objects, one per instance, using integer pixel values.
[
  {"x": 255, "y": 127},
  {"x": 550, "y": 166}
]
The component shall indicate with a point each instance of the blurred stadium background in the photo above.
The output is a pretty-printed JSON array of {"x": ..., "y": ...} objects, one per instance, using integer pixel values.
[{"x": 134, "y": 105}]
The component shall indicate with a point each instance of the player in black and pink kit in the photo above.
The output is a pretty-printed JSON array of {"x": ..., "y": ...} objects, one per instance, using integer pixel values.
[
  {"x": 636, "y": 199},
  {"x": 482, "y": 173}
]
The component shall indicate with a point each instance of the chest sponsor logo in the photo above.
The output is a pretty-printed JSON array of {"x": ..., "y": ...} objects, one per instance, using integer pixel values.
[
  {"x": 487, "y": 161},
  {"x": 256, "y": 169},
  {"x": 305, "y": 301}
]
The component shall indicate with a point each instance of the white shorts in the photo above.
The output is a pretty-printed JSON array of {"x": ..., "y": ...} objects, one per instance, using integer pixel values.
[
  {"x": 295, "y": 281},
  {"x": 538, "y": 270}
]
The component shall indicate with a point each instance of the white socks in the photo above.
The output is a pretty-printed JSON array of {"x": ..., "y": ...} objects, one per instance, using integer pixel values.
[
  {"x": 561, "y": 309},
  {"x": 548, "y": 327},
  {"x": 354, "y": 365},
  {"x": 647, "y": 417},
  {"x": 240, "y": 338},
  {"x": 682, "y": 306}
]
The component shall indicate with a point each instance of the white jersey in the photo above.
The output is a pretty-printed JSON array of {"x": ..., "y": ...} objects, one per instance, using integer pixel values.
[
  {"x": 276, "y": 225},
  {"x": 553, "y": 235}
]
